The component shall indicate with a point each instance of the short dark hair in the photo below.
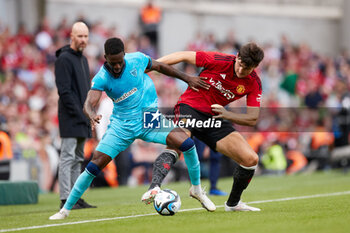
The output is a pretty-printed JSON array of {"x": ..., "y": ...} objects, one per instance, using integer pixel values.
[
  {"x": 114, "y": 46},
  {"x": 251, "y": 54}
]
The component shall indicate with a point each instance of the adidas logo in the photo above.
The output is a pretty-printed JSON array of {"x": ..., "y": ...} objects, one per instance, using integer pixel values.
[{"x": 223, "y": 76}]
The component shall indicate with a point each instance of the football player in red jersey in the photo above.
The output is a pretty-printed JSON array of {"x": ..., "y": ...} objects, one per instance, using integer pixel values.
[{"x": 231, "y": 77}]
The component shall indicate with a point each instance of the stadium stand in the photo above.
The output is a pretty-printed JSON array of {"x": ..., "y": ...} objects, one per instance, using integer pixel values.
[{"x": 290, "y": 73}]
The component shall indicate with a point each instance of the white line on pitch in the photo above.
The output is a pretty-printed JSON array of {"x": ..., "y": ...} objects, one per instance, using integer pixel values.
[{"x": 143, "y": 215}]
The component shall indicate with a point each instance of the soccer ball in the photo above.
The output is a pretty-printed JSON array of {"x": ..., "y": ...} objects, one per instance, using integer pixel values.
[{"x": 167, "y": 202}]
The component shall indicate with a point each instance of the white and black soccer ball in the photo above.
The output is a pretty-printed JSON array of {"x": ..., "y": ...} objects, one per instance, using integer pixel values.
[{"x": 167, "y": 202}]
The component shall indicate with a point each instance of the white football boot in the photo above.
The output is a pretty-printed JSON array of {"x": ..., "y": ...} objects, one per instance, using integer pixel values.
[
  {"x": 62, "y": 214},
  {"x": 148, "y": 197},
  {"x": 241, "y": 206},
  {"x": 202, "y": 197}
]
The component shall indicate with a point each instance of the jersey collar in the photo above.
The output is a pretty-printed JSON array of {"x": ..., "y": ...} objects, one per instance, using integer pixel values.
[{"x": 111, "y": 72}]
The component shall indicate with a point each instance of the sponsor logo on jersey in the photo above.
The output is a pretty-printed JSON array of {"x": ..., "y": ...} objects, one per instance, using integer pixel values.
[
  {"x": 218, "y": 85},
  {"x": 240, "y": 89},
  {"x": 125, "y": 95}
]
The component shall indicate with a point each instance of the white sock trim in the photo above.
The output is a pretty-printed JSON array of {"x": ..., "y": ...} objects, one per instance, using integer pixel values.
[
  {"x": 197, "y": 188},
  {"x": 65, "y": 210},
  {"x": 174, "y": 153},
  {"x": 249, "y": 168}
]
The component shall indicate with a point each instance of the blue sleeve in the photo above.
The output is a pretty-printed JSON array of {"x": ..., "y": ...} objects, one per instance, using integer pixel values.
[
  {"x": 98, "y": 83},
  {"x": 146, "y": 61}
]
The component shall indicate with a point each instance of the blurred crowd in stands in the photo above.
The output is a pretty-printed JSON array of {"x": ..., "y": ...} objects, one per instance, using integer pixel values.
[{"x": 304, "y": 112}]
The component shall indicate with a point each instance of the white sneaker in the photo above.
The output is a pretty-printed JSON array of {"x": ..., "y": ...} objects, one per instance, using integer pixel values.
[
  {"x": 62, "y": 214},
  {"x": 241, "y": 206},
  {"x": 203, "y": 199},
  {"x": 148, "y": 197}
]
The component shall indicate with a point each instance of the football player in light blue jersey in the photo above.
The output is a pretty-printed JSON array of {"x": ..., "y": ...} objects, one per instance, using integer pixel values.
[
  {"x": 124, "y": 80},
  {"x": 132, "y": 90}
]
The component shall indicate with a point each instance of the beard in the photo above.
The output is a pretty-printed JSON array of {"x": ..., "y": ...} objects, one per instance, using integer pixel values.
[{"x": 80, "y": 47}]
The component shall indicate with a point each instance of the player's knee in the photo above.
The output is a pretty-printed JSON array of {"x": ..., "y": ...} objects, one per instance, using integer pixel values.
[
  {"x": 93, "y": 169},
  {"x": 251, "y": 160},
  {"x": 187, "y": 144},
  {"x": 100, "y": 159}
]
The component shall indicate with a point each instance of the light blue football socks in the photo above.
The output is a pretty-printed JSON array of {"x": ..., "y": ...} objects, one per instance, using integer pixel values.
[
  {"x": 82, "y": 184},
  {"x": 191, "y": 160}
]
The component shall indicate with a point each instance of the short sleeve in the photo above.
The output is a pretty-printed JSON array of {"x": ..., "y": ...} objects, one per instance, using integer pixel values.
[
  {"x": 254, "y": 97},
  {"x": 98, "y": 83},
  {"x": 212, "y": 60},
  {"x": 146, "y": 61},
  {"x": 203, "y": 59}
]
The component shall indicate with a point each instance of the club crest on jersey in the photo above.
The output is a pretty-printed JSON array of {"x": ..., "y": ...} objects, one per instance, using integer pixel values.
[
  {"x": 240, "y": 89},
  {"x": 133, "y": 72}
]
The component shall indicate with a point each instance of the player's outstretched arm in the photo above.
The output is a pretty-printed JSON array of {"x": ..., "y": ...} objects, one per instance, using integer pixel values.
[
  {"x": 90, "y": 104},
  {"x": 177, "y": 57},
  {"x": 193, "y": 82},
  {"x": 249, "y": 119}
]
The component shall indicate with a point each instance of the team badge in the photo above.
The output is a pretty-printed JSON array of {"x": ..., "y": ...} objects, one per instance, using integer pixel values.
[
  {"x": 133, "y": 72},
  {"x": 240, "y": 89}
]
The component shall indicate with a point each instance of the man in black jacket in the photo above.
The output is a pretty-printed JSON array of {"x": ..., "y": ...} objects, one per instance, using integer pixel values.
[{"x": 73, "y": 84}]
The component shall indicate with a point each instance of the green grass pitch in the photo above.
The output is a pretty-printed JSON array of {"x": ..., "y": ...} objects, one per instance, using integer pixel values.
[{"x": 120, "y": 209}]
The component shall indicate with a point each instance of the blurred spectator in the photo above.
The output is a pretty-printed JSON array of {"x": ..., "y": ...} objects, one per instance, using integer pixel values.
[
  {"x": 274, "y": 160},
  {"x": 198, "y": 43},
  {"x": 341, "y": 129},
  {"x": 150, "y": 17},
  {"x": 5, "y": 147},
  {"x": 313, "y": 98},
  {"x": 43, "y": 38},
  {"x": 232, "y": 41},
  {"x": 5, "y": 155},
  {"x": 321, "y": 142},
  {"x": 296, "y": 162},
  {"x": 146, "y": 47}
]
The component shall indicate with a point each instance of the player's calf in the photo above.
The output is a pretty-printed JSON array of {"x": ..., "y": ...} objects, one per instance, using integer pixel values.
[
  {"x": 162, "y": 166},
  {"x": 242, "y": 177}
]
